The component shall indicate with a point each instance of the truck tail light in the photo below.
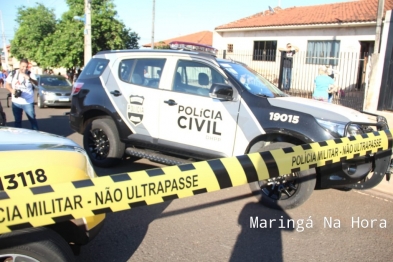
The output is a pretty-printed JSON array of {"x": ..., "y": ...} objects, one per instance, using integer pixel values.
[{"x": 76, "y": 88}]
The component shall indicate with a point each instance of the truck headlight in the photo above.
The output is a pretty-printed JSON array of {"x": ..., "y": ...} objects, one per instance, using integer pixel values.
[{"x": 337, "y": 129}]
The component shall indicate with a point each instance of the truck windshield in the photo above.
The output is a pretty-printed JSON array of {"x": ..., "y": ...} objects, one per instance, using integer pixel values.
[{"x": 251, "y": 80}]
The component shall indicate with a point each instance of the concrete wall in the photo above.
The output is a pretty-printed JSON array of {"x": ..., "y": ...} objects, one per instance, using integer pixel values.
[
  {"x": 348, "y": 63},
  {"x": 244, "y": 40}
]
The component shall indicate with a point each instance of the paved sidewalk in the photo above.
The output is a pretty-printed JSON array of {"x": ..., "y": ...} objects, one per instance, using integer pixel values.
[{"x": 384, "y": 188}]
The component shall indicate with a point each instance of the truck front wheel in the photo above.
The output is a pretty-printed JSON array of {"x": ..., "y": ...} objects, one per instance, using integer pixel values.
[
  {"x": 102, "y": 143},
  {"x": 283, "y": 192},
  {"x": 34, "y": 245}
]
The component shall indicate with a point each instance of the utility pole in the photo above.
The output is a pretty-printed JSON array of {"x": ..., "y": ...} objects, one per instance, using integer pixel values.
[
  {"x": 152, "y": 28},
  {"x": 4, "y": 44},
  {"x": 87, "y": 31},
  {"x": 381, "y": 4}
]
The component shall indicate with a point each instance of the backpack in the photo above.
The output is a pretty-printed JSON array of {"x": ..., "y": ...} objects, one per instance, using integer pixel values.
[
  {"x": 13, "y": 74},
  {"x": 3, "y": 118}
]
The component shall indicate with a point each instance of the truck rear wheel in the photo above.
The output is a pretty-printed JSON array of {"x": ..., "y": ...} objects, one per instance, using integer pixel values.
[
  {"x": 102, "y": 143},
  {"x": 284, "y": 192},
  {"x": 34, "y": 245}
]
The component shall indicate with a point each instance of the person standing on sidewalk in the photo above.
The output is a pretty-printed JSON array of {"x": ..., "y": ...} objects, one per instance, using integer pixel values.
[
  {"x": 20, "y": 85},
  {"x": 287, "y": 64},
  {"x": 3, "y": 76}
]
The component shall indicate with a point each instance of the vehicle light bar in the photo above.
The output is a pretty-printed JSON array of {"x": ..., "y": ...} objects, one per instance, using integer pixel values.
[{"x": 181, "y": 45}]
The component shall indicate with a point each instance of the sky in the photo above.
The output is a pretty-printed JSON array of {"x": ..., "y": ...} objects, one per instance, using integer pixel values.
[{"x": 172, "y": 17}]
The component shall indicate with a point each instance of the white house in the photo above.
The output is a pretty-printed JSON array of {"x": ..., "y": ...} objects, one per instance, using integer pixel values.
[
  {"x": 352, "y": 24},
  {"x": 340, "y": 34}
]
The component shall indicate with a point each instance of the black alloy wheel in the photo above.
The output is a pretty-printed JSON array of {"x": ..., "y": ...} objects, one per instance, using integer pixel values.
[
  {"x": 102, "y": 143},
  {"x": 287, "y": 191},
  {"x": 280, "y": 190}
]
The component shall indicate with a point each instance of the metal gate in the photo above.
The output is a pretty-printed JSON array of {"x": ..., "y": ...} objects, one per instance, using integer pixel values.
[{"x": 351, "y": 76}]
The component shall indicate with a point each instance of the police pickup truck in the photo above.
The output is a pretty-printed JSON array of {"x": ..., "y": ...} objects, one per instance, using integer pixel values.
[{"x": 184, "y": 105}]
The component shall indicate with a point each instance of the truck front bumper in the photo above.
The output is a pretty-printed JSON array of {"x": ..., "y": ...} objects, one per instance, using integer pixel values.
[{"x": 358, "y": 173}]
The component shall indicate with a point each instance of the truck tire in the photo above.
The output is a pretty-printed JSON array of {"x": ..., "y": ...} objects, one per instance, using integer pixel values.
[
  {"x": 102, "y": 143},
  {"x": 289, "y": 194},
  {"x": 35, "y": 244}
]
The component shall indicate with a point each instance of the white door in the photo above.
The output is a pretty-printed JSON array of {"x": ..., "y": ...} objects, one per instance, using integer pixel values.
[{"x": 136, "y": 95}]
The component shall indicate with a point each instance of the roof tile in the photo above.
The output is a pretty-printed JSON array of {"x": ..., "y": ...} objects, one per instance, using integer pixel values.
[
  {"x": 203, "y": 37},
  {"x": 345, "y": 12}
]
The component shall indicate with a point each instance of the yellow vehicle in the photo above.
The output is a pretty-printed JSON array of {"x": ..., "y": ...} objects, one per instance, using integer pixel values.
[{"x": 35, "y": 159}]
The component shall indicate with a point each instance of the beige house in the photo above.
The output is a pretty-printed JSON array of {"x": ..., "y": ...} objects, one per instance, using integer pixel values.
[{"x": 350, "y": 25}]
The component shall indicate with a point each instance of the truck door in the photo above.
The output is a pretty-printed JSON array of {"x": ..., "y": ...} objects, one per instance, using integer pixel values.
[
  {"x": 190, "y": 118},
  {"x": 138, "y": 82}
]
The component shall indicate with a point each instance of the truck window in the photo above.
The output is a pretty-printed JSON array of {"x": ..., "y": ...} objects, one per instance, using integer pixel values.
[
  {"x": 195, "y": 78},
  {"x": 143, "y": 72}
]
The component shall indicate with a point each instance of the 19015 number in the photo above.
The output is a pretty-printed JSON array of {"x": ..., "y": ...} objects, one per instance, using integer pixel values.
[
  {"x": 13, "y": 181},
  {"x": 284, "y": 118}
]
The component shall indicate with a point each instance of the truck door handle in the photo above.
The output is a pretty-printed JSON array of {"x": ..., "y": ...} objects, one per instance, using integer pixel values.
[
  {"x": 116, "y": 93},
  {"x": 171, "y": 102}
]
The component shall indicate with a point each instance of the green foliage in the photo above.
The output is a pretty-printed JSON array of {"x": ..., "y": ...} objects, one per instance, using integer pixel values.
[
  {"x": 109, "y": 33},
  {"x": 61, "y": 43},
  {"x": 34, "y": 25},
  {"x": 162, "y": 45}
]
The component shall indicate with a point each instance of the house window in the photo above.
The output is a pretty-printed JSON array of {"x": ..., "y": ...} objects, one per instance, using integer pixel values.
[
  {"x": 323, "y": 52},
  {"x": 264, "y": 50},
  {"x": 230, "y": 48}
]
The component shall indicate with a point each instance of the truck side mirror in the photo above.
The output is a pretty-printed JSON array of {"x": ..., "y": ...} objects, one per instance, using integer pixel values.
[{"x": 221, "y": 92}]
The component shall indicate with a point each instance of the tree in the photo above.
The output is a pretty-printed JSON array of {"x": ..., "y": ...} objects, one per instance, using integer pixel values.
[
  {"x": 34, "y": 25},
  {"x": 109, "y": 33},
  {"x": 162, "y": 45},
  {"x": 64, "y": 46}
]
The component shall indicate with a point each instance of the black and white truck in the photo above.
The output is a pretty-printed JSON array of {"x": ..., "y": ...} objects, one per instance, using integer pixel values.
[{"x": 185, "y": 105}]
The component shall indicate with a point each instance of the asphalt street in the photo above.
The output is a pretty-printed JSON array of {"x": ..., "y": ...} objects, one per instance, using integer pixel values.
[{"x": 230, "y": 225}]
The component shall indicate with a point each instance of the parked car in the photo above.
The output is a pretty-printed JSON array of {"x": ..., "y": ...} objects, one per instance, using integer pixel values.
[
  {"x": 53, "y": 90},
  {"x": 30, "y": 159},
  {"x": 193, "y": 106}
]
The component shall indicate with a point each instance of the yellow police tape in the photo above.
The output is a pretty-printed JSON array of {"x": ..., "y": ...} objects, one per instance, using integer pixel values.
[{"x": 49, "y": 204}]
